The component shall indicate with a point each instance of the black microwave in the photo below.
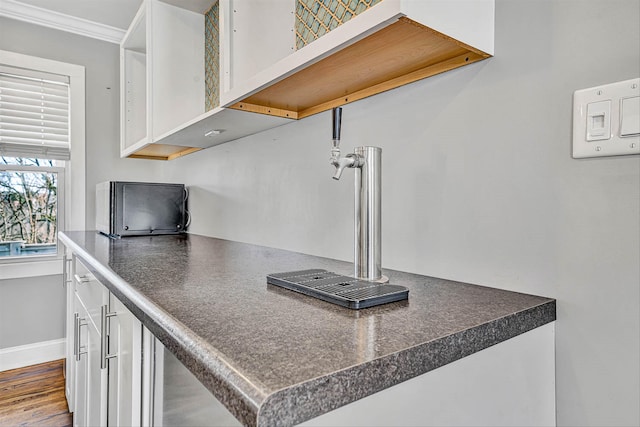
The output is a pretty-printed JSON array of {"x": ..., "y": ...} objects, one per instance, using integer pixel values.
[{"x": 140, "y": 208}]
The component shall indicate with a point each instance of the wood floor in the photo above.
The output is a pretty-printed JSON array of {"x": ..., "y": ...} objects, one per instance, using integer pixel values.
[{"x": 34, "y": 396}]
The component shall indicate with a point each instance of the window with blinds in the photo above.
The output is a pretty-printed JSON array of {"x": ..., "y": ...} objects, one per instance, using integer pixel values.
[{"x": 34, "y": 114}]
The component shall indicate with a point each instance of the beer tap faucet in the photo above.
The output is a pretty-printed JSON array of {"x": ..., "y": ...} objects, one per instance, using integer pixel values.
[{"x": 367, "y": 162}]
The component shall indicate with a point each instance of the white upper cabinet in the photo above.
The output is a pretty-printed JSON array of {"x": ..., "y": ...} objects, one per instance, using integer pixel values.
[
  {"x": 171, "y": 60},
  {"x": 162, "y": 76},
  {"x": 354, "y": 49}
]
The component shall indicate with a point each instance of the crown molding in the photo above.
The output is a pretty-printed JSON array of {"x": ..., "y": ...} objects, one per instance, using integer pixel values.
[{"x": 47, "y": 18}]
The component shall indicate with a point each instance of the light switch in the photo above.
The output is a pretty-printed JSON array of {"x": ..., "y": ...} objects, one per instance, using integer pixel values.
[
  {"x": 606, "y": 120},
  {"x": 599, "y": 120},
  {"x": 630, "y": 116}
]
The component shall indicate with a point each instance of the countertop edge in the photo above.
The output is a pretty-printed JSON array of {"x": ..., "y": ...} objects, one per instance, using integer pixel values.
[
  {"x": 208, "y": 366},
  {"x": 323, "y": 394}
]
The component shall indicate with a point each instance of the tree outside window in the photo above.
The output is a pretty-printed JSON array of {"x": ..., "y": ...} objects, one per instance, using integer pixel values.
[{"x": 28, "y": 207}]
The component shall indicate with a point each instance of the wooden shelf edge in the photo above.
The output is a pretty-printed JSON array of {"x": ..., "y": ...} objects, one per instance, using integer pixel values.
[
  {"x": 140, "y": 156},
  {"x": 162, "y": 152},
  {"x": 187, "y": 150},
  {"x": 438, "y": 68},
  {"x": 261, "y": 109}
]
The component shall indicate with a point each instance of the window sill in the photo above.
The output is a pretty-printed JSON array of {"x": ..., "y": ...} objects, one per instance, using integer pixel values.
[{"x": 31, "y": 268}]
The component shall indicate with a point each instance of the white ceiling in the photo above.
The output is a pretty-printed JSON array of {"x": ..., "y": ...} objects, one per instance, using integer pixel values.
[{"x": 115, "y": 13}]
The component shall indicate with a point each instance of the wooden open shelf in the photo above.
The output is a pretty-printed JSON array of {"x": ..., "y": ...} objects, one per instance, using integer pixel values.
[
  {"x": 162, "y": 152},
  {"x": 401, "y": 53}
]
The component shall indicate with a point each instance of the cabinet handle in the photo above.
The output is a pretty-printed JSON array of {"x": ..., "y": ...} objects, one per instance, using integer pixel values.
[
  {"x": 65, "y": 274},
  {"x": 104, "y": 318},
  {"x": 75, "y": 334},
  {"x": 81, "y": 279},
  {"x": 78, "y": 349}
]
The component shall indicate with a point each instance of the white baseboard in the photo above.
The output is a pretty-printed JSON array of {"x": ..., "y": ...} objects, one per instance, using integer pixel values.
[{"x": 31, "y": 354}]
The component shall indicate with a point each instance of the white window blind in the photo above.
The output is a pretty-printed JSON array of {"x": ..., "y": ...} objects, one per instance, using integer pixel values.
[{"x": 34, "y": 114}]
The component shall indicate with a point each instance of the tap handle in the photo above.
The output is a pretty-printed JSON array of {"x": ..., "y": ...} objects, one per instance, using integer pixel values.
[{"x": 337, "y": 119}]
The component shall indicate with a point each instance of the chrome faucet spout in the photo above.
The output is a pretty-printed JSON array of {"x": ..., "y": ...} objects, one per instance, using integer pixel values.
[
  {"x": 348, "y": 161},
  {"x": 335, "y": 155}
]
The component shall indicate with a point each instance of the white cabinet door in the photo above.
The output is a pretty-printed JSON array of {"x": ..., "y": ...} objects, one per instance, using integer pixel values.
[
  {"x": 90, "y": 381},
  {"x": 96, "y": 380},
  {"x": 88, "y": 296},
  {"x": 243, "y": 54},
  {"x": 69, "y": 367},
  {"x": 124, "y": 369},
  {"x": 78, "y": 361}
]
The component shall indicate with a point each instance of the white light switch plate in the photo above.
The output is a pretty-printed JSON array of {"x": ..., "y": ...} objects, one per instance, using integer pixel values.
[{"x": 601, "y": 115}]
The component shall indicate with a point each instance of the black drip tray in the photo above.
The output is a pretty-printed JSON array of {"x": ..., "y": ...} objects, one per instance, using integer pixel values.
[{"x": 342, "y": 290}]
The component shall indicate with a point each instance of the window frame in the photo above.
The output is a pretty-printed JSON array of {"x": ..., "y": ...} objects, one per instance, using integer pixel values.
[{"x": 74, "y": 178}]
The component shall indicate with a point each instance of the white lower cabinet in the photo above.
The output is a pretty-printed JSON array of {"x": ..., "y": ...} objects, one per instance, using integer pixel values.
[
  {"x": 78, "y": 365},
  {"x": 124, "y": 369},
  {"x": 69, "y": 366},
  {"x": 91, "y": 381},
  {"x": 104, "y": 356}
]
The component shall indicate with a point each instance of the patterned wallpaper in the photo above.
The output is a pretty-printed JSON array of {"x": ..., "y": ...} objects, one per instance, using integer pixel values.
[
  {"x": 314, "y": 18},
  {"x": 212, "y": 58}
]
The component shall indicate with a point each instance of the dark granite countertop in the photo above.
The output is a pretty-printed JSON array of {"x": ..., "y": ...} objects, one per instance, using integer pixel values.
[{"x": 275, "y": 357}]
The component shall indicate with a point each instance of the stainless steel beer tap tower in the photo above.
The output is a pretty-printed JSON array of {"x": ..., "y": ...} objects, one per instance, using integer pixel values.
[{"x": 367, "y": 162}]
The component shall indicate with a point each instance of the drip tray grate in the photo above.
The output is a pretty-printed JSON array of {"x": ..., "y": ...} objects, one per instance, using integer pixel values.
[{"x": 335, "y": 288}]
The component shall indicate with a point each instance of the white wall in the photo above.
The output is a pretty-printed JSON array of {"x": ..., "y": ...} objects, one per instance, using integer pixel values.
[
  {"x": 101, "y": 62},
  {"x": 478, "y": 185},
  {"x": 31, "y": 310}
]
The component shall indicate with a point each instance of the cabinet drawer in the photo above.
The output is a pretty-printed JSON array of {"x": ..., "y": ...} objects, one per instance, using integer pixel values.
[{"x": 89, "y": 291}]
